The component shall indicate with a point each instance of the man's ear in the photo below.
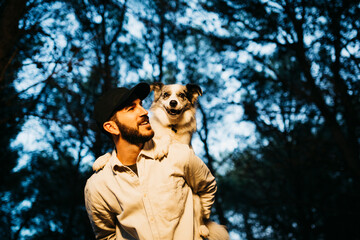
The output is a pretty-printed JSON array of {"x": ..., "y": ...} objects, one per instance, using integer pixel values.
[
  {"x": 156, "y": 87},
  {"x": 111, "y": 127}
]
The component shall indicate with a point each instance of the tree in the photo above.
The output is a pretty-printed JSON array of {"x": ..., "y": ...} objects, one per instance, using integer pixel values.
[
  {"x": 319, "y": 38},
  {"x": 300, "y": 89},
  {"x": 21, "y": 37},
  {"x": 11, "y": 14}
]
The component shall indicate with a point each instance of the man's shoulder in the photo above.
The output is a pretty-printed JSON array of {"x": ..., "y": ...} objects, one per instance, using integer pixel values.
[
  {"x": 180, "y": 152},
  {"x": 98, "y": 179},
  {"x": 99, "y": 175},
  {"x": 178, "y": 146},
  {"x": 101, "y": 161}
]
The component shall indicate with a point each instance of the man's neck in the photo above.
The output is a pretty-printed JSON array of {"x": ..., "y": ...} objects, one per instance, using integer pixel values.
[{"x": 127, "y": 153}]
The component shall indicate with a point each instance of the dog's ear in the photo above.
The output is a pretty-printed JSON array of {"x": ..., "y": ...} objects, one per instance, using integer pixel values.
[
  {"x": 194, "y": 91},
  {"x": 156, "y": 87}
]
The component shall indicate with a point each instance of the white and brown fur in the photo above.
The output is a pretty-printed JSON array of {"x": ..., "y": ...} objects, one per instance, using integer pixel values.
[
  {"x": 172, "y": 114},
  {"x": 173, "y": 119}
]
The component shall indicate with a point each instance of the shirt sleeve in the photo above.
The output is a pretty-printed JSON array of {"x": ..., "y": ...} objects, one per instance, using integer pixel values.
[
  {"x": 101, "y": 219},
  {"x": 201, "y": 181}
]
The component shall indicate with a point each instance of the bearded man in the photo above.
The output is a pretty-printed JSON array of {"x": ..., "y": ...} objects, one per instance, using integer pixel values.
[{"x": 135, "y": 196}]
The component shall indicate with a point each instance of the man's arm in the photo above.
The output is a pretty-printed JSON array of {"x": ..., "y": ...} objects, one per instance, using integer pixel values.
[
  {"x": 101, "y": 219},
  {"x": 202, "y": 182}
]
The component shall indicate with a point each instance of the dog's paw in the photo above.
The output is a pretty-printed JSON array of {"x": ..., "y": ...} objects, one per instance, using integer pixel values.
[
  {"x": 204, "y": 231},
  {"x": 161, "y": 151},
  {"x": 101, "y": 161},
  {"x": 217, "y": 231},
  {"x": 162, "y": 147}
]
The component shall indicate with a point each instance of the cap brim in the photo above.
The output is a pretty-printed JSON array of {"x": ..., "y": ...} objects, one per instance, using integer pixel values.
[{"x": 140, "y": 91}]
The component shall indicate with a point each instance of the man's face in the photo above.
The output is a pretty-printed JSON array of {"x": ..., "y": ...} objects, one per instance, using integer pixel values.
[{"x": 133, "y": 123}]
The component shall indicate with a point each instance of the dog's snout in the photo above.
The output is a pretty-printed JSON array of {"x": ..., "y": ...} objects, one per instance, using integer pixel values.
[{"x": 173, "y": 103}]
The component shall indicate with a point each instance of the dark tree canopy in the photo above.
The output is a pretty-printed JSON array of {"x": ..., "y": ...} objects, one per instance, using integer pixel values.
[{"x": 278, "y": 123}]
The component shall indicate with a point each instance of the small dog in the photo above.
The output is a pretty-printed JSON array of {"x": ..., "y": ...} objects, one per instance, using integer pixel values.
[
  {"x": 172, "y": 114},
  {"x": 173, "y": 119}
]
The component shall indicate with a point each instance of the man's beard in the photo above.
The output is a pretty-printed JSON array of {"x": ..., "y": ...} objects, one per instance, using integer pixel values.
[{"x": 132, "y": 135}]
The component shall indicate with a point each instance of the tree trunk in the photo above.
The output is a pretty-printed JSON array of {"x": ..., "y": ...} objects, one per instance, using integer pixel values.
[{"x": 12, "y": 12}]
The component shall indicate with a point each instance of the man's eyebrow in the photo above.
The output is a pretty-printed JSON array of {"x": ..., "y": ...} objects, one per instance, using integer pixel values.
[{"x": 132, "y": 104}]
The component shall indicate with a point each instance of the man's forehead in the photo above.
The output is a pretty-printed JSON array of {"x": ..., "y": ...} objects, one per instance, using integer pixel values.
[{"x": 132, "y": 102}]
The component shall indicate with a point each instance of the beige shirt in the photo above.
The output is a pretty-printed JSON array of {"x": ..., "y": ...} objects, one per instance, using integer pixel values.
[{"x": 156, "y": 204}]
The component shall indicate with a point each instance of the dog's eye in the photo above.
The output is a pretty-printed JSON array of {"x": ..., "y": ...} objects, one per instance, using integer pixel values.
[
  {"x": 182, "y": 95},
  {"x": 166, "y": 95}
]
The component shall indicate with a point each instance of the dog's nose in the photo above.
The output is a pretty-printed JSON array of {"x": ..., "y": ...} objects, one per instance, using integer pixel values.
[{"x": 173, "y": 103}]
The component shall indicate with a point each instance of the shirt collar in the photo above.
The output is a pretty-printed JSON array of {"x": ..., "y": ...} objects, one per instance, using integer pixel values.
[
  {"x": 114, "y": 161},
  {"x": 147, "y": 152},
  {"x": 148, "y": 149}
]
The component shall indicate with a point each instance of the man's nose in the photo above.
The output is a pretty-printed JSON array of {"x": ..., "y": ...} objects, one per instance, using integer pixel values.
[{"x": 143, "y": 111}]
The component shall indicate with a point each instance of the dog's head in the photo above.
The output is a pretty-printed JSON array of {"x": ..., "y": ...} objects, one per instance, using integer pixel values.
[{"x": 176, "y": 98}]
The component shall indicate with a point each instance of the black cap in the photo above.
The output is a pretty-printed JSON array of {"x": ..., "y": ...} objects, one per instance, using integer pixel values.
[{"x": 114, "y": 100}]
